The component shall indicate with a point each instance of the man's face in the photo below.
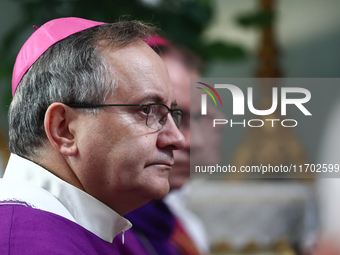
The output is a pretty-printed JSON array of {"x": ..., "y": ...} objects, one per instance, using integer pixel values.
[{"x": 125, "y": 163}]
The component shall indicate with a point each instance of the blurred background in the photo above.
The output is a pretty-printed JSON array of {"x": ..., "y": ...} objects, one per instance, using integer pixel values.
[{"x": 248, "y": 38}]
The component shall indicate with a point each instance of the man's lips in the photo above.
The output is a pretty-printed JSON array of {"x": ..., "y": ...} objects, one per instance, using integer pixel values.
[{"x": 169, "y": 163}]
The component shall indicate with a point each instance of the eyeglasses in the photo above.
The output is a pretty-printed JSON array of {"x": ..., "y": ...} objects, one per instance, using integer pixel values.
[{"x": 156, "y": 114}]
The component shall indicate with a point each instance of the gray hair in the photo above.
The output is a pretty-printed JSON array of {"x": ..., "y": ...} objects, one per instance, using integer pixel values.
[{"x": 72, "y": 70}]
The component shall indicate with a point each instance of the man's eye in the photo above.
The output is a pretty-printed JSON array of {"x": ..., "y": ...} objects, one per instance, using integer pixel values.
[{"x": 146, "y": 110}]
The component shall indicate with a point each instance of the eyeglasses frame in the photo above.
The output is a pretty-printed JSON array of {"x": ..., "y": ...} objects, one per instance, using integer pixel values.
[{"x": 93, "y": 105}]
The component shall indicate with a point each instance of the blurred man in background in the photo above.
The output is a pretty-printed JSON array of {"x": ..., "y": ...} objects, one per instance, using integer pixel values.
[{"x": 166, "y": 226}]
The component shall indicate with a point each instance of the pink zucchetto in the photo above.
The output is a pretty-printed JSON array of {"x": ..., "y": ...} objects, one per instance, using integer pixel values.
[
  {"x": 52, "y": 32},
  {"x": 43, "y": 38}
]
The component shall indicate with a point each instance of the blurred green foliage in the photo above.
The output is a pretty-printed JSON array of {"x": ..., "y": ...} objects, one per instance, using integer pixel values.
[
  {"x": 181, "y": 21},
  {"x": 257, "y": 19}
]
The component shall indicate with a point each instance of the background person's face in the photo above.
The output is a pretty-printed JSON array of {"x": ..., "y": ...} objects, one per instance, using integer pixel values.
[
  {"x": 126, "y": 164},
  {"x": 202, "y": 140},
  {"x": 180, "y": 78}
]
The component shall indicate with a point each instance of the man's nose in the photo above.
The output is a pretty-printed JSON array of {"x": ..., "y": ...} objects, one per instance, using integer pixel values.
[{"x": 170, "y": 135}]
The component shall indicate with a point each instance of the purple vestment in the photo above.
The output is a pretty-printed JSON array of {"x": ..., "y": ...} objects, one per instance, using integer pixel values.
[
  {"x": 28, "y": 231},
  {"x": 42, "y": 214}
]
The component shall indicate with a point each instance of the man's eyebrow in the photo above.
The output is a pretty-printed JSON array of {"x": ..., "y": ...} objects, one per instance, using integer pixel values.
[
  {"x": 158, "y": 99},
  {"x": 153, "y": 98}
]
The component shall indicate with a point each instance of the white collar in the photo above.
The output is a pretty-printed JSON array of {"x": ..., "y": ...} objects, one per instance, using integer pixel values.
[{"x": 80, "y": 207}]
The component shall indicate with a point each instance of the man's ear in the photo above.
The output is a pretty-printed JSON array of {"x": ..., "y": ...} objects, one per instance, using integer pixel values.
[{"x": 57, "y": 127}]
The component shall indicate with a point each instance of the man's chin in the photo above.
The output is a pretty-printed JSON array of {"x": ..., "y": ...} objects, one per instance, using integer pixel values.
[
  {"x": 160, "y": 190},
  {"x": 162, "y": 193}
]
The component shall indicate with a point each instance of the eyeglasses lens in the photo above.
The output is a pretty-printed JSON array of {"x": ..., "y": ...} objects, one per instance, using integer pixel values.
[{"x": 158, "y": 114}]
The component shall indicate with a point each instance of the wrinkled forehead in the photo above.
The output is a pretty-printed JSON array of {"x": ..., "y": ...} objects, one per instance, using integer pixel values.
[{"x": 141, "y": 74}]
